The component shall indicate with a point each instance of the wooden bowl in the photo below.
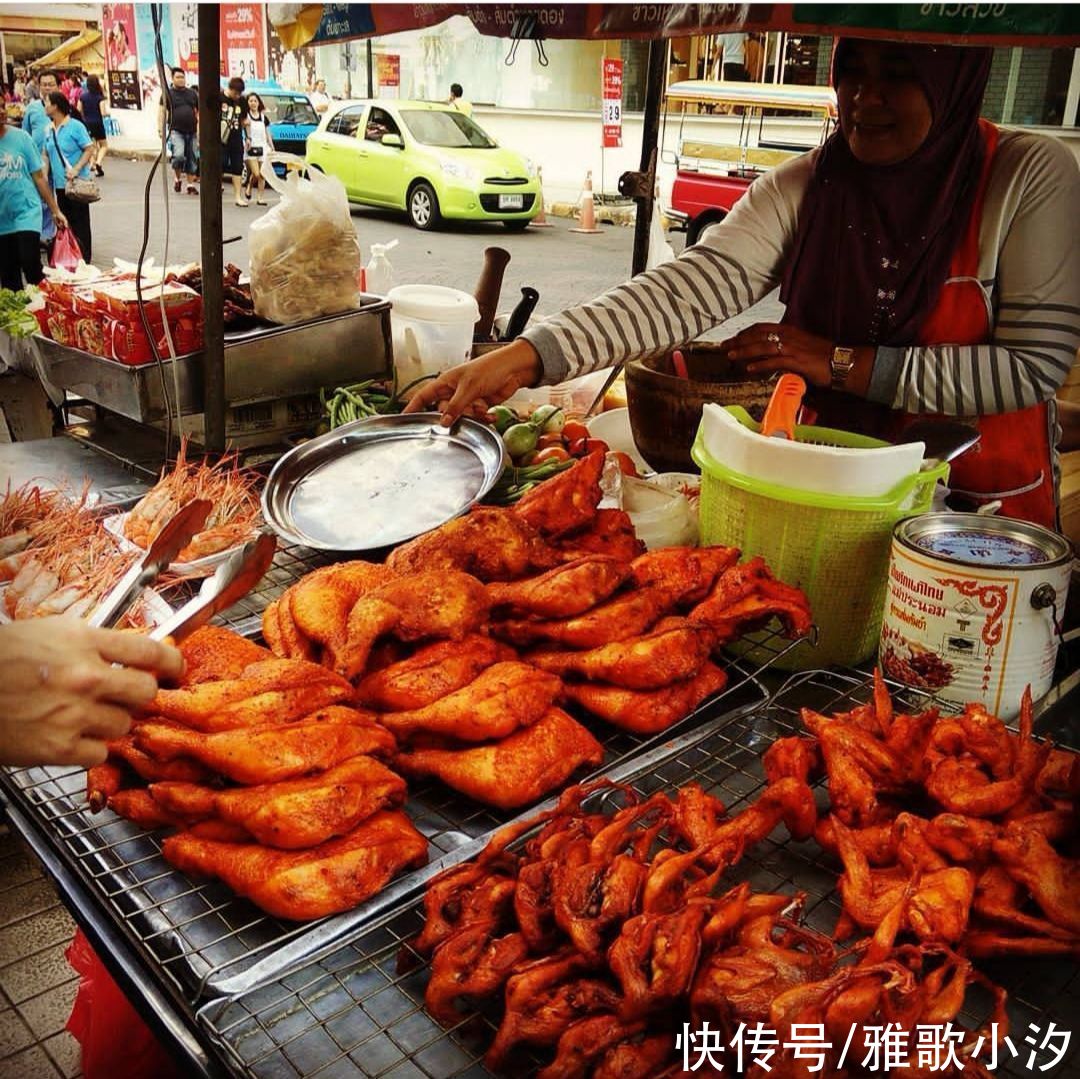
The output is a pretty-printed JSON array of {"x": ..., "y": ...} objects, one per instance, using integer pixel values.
[{"x": 665, "y": 410}]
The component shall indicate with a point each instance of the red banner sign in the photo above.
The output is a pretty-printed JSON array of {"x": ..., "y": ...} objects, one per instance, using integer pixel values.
[
  {"x": 612, "y": 102},
  {"x": 243, "y": 41},
  {"x": 388, "y": 74}
]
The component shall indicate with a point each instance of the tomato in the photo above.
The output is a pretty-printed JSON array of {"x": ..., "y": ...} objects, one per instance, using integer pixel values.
[
  {"x": 626, "y": 463},
  {"x": 594, "y": 444},
  {"x": 551, "y": 453},
  {"x": 574, "y": 430},
  {"x": 546, "y": 441},
  {"x": 526, "y": 459}
]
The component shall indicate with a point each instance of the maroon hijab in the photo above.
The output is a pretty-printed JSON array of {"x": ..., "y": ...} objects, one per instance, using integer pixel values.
[{"x": 874, "y": 242}]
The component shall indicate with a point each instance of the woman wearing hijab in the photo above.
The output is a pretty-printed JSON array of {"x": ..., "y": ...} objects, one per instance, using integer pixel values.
[{"x": 930, "y": 264}]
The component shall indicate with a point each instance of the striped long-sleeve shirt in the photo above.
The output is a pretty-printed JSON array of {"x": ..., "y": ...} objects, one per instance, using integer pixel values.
[{"x": 1029, "y": 271}]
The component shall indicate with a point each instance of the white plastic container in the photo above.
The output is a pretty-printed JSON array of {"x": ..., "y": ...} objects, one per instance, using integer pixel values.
[
  {"x": 661, "y": 517},
  {"x": 431, "y": 327},
  {"x": 807, "y": 465}
]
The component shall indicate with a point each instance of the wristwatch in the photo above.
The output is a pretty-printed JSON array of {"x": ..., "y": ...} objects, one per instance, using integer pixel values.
[{"x": 843, "y": 360}]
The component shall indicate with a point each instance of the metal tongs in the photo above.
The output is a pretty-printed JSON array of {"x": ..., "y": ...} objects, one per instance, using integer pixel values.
[
  {"x": 233, "y": 580},
  {"x": 168, "y": 543}
]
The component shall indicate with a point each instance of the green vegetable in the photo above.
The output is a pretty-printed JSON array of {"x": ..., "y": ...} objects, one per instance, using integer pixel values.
[
  {"x": 546, "y": 417},
  {"x": 504, "y": 417},
  {"x": 14, "y": 318},
  {"x": 520, "y": 439},
  {"x": 517, "y": 481}
]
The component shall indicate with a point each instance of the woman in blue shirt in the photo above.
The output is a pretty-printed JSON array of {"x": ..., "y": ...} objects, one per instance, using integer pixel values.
[
  {"x": 23, "y": 187},
  {"x": 69, "y": 148}
]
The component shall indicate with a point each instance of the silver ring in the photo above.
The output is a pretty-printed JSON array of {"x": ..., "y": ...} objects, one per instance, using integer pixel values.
[
  {"x": 775, "y": 339},
  {"x": 43, "y": 674}
]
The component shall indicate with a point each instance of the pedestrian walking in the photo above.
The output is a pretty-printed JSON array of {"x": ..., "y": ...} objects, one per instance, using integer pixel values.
[
  {"x": 259, "y": 144},
  {"x": 23, "y": 189},
  {"x": 94, "y": 108},
  {"x": 234, "y": 129},
  {"x": 69, "y": 148},
  {"x": 183, "y": 131}
]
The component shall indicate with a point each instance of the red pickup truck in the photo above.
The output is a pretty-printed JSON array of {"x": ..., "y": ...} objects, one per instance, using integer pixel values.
[{"x": 712, "y": 177}]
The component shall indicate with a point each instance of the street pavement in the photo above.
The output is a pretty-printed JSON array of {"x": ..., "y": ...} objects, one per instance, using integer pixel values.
[{"x": 565, "y": 267}]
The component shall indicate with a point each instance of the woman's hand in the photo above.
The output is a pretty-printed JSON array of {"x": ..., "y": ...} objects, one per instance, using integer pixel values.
[
  {"x": 59, "y": 218},
  {"x": 771, "y": 346},
  {"x": 70, "y": 172},
  {"x": 62, "y": 697},
  {"x": 479, "y": 384}
]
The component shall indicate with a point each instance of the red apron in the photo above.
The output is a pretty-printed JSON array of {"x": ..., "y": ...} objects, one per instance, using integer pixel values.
[{"x": 1013, "y": 461}]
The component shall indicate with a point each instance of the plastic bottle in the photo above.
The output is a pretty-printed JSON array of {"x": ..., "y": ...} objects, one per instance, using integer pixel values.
[{"x": 379, "y": 271}]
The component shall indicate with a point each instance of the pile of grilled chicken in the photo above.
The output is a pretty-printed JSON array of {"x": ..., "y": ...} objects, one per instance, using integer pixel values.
[{"x": 467, "y": 641}]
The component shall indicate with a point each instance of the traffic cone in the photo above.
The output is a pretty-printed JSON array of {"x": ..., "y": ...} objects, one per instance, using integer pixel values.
[
  {"x": 588, "y": 211},
  {"x": 540, "y": 221}
]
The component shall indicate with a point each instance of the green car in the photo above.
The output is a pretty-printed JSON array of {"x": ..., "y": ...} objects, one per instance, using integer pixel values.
[{"x": 426, "y": 158}]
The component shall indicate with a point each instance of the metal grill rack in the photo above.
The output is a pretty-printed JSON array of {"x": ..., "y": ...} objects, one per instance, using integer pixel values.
[
  {"x": 355, "y": 1014},
  {"x": 205, "y": 941}
]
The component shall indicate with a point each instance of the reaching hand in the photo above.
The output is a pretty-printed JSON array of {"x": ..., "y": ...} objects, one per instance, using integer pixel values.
[
  {"x": 61, "y": 220},
  {"x": 477, "y": 385},
  {"x": 66, "y": 689}
]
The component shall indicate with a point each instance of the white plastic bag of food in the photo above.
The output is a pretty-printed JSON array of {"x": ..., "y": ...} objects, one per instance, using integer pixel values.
[{"x": 305, "y": 257}]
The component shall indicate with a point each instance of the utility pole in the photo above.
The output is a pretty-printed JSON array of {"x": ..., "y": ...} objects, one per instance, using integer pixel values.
[{"x": 370, "y": 70}]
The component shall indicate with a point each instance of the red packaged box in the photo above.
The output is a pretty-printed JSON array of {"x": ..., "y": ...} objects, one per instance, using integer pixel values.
[{"x": 127, "y": 342}]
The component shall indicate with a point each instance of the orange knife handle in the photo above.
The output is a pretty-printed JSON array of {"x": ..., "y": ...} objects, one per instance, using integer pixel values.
[{"x": 784, "y": 407}]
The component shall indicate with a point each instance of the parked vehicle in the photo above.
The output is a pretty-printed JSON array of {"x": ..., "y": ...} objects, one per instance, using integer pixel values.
[
  {"x": 711, "y": 177},
  {"x": 427, "y": 159}
]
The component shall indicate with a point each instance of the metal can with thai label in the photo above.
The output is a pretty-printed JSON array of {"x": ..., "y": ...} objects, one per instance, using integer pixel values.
[{"x": 974, "y": 606}]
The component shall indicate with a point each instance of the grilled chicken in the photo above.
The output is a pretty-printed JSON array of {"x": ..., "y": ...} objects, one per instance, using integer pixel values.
[
  {"x": 299, "y": 885},
  {"x": 563, "y": 592}
]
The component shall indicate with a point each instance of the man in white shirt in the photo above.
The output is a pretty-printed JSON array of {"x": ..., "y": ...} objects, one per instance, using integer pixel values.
[{"x": 319, "y": 97}]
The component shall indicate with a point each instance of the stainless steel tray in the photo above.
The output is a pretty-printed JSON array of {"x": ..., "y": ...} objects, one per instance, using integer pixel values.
[
  {"x": 377, "y": 482},
  {"x": 203, "y": 940},
  {"x": 354, "y": 1014},
  {"x": 263, "y": 364}
]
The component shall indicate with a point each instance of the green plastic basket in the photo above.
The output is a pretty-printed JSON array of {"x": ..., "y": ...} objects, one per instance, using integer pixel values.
[{"x": 834, "y": 547}]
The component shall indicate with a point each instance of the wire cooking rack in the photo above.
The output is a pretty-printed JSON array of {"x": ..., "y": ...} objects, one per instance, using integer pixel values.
[
  {"x": 210, "y": 943},
  {"x": 353, "y": 1014}
]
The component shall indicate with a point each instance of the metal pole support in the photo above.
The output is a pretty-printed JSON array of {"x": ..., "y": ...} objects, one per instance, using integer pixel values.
[
  {"x": 210, "y": 219},
  {"x": 641, "y": 185}
]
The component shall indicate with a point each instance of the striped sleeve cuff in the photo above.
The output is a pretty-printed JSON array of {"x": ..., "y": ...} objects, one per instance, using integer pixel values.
[
  {"x": 556, "y": 366},
  {"x": 888, "y": 363}
]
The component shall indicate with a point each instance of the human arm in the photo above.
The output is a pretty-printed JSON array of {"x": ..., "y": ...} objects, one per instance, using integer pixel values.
[
  {"x": 66, "y": 688},
  {"x": 47, "y": 196},
  {"x": 86, "y": 147},
  {"x": 737, "y": 262}
]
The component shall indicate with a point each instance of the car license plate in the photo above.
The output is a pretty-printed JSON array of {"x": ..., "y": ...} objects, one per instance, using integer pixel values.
[{"x": 511, "y": 202}]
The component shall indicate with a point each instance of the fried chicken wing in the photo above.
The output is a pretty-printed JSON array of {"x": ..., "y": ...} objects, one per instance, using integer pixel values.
[
  {"x": 432, "y": 672},
  {"x": 464, "y": 895},
  {"x": 642, "y": 1059},
  {"x": 491, "y": 544},
  {"x": 565, "y": 502},
  {"x": 610, "y": 532},
  {"x": 585, "y": 1043},
  {"x": 502, "y": 699},
  {"x": 296, "y": 813},
  {"x": 793, "y": 756},
  {"x": 655, "y": 956},
  {"x": 213, "y": 654},
  {"x": 618, "y": 619},
  {"x": 139, "y": 806},
  {"x": 277, "y": 690},
  {"x": 543, "y": 999},
  {"x": 473, "y": 964},
  {"x": 688, "y": 573},
  {"x": 568, "y": 590},
  {"x": 270, "y": 754},
  {"x": 647, "y": 711},
  {"x": 515, "y": 771},
  {"x": 299, "y": 885},
  {"x": 674, "y": 650},
  {"x": 292, "y": 643},
  {"x": 446, "y": 604},
  {"x": 1054, "y": 881},
  {"x": 746, "y": 595}
]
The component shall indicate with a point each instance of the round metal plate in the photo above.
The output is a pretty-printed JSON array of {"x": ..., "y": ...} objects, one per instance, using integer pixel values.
[{"x": 380, "y": 481}]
